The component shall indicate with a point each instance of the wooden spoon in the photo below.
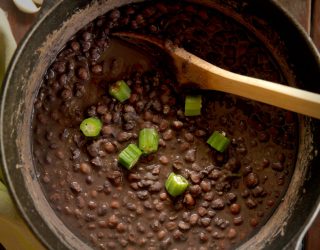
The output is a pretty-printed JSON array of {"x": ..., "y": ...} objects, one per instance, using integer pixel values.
[{"x": 192, "y": 69}]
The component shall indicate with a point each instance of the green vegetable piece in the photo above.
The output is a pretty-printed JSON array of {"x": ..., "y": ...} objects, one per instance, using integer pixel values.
[
  {"x": 120, "y": 90},
  {"x": 91, "y": 127},
  {"x": 218, "y": 141},
  {"x": 176, "y": 184},
  {"x": 193, "y": 105},
  {"x": 129, "y": 156},
  {"x": 148, "y": 140}
]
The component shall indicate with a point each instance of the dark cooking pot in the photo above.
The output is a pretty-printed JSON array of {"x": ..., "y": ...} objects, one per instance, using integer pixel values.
[{"x": 65, "y": 17}]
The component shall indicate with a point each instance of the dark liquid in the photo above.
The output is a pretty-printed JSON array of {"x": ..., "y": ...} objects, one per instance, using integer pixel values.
[{"x": 230, "y": 195}]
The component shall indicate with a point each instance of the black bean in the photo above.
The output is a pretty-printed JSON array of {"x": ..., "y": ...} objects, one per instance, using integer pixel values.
[
  {"x": 143, "y": 195},
  {"x": 188, "y": 199},
  {"x": 247, "y": 170},
  {"x": 97, "y": 161},
  {"x": 235, "y": 208},
  {"x": 238, "y": 220},
  {"x": 202, "y": 211},
  {"x": 92, "y": 205},
  {"x": 205, "y": 204},
  {"x": 155, "y": 187},
  {"x": 251, "y": 203},
  {"x": 231, "y": 197},
  {"x": 193, "y": 219},
  {"x": 75, "y": 46},
  {"x": 89, "y": 179},
  {"x": 252, "y": 180},
  {"x": 165, "y": 244},
  {"x": 189, "y": 137},
  {"x": 140, "y": 228},
  {"x": 177, "y": 125},
  {"x": 233, "y": 165},
  {"x": 258, "y": 191},
  {"x": 217, "y": 235},
  {"x": 63, "y": 79},
  {"x": 217, "y": 204},
  {"x": 171, "y": 225},
  {"x": 205, "y": 186},
  {"x": 129, "y": 125},
  {"x": 131, "y": 206},
  {"x": 245, "y": 193},
  {"x": 80, "y": 202},
  {"x": 59, "y": 67},
  {"x": 184, "y": 226},
  {"x": 203, "y": 236},
  {"x": 113, "y": 221},
  {"x": 222, "y": 223},
  {"x": 89, "y": 217},
  {"x": 164, "y": 159},
  {"x": 109, "y": 147},
  {"x": 124, "y": 136},
  {"x": 75, "y": 186},
  {"x": 277, "y": 166},
  {"x": 155, "y": 226},
  {"x": 205, "y": 221},
  {"x": 156, "y": 105},
  {"x": 263, "y": 136},
  {"x": 254, "y": 222},
  {"x": 265, "y": 163},
  {"x": 190, "y": 155},
  {"x": 195, "y": 190},
  {"x": 102, "y": 210},
  {"x": 195, "y": 177},
  {"x": 200, "y": 133},
  {"x": 178, "y": 235},
  {"x": 232, "y": 233},
  {"x": 83, "y": 73},
  {"x": 168, "y": 135}
]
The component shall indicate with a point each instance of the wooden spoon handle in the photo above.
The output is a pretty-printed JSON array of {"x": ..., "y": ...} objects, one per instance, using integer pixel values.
[{"x": 207, "y": 76}]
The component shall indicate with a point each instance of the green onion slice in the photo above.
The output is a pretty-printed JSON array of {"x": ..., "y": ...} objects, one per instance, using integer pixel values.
[
  {"x": 218, "y": 141},
  {"x": 120, "y": 90},
  {"x": 129, "y": 156},
  {"x": 193, "y": 105},
  {"x": 176, "y": 184},
  {"x": 148, "y": 140},
  {"x": 91, "y": 127}
]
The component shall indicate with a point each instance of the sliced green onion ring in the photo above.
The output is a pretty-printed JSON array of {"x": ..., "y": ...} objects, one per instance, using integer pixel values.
[
  {"x": 91, "y": 127},
  {"x": 129, "y": 156},
  {"x": 193, "y": 105},
  {"x": 176, "y": 184},
  {"x": 218, "y": 141},
  {"x": 148, "y": 140},
  {"x": 120, "y": 90}
]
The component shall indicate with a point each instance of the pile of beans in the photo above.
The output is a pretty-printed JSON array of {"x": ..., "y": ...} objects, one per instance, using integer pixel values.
[{"x": 230, "y": 194}]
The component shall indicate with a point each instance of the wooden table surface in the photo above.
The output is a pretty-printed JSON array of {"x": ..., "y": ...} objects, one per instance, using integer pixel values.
[{"x": 307, "y": 12}]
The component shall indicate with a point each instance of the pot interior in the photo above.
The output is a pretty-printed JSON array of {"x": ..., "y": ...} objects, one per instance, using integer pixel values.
[{"x": 48, "y": 37}]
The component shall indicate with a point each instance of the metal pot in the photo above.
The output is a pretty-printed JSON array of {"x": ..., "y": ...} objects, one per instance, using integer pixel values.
[{"x": 61, "y": 19}]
